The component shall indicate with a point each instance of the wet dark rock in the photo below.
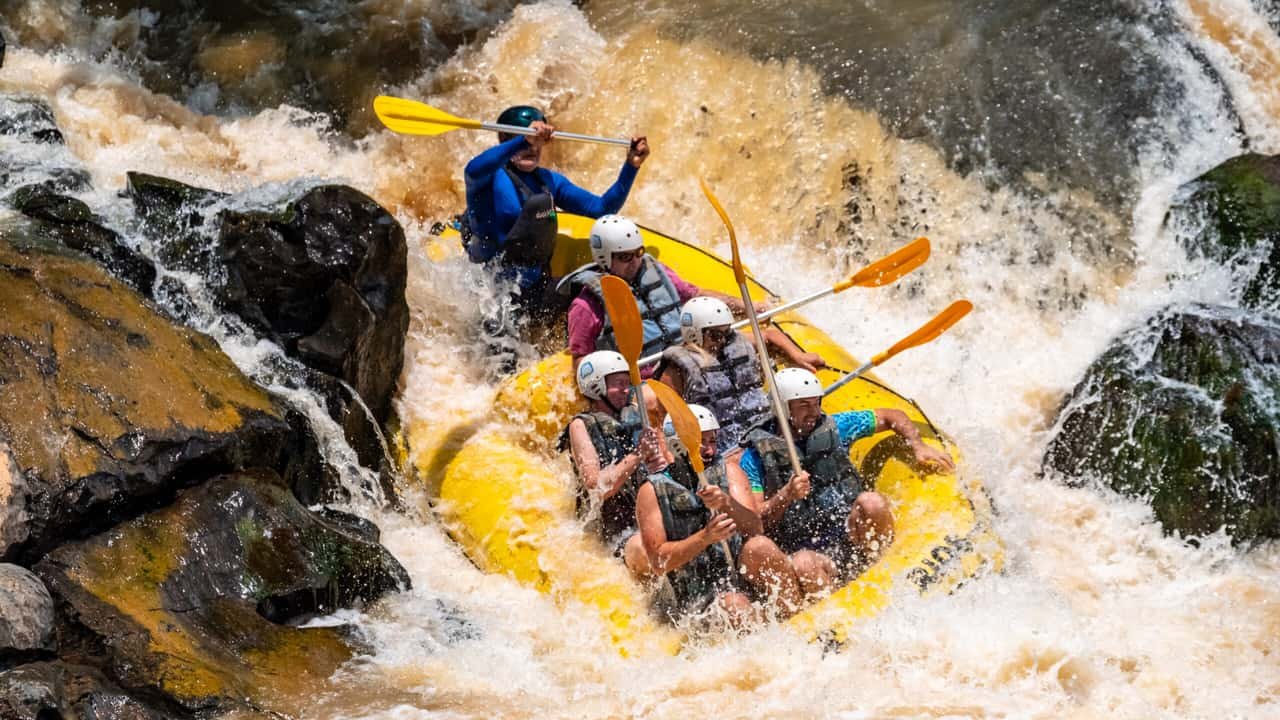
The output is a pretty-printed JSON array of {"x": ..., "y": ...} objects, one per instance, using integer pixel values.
[
  {"x": 323, "y": 277},
  {"x": 1234, "y": 213},
  {"x": 108, "y": 408},
  {"x": 26, "y": 613},
  {"x": 53, "y": 690},
  {"x": 173, "y": 217},
  {"x": 193, "y": 602},
  {"x": 72, "y": 223},
  {"x": 1184, "y": 410},
  {"x": 28, "y": 118}
]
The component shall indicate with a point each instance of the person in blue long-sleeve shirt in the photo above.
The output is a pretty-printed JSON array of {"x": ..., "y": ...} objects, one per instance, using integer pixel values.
[{"x": 511, "y": 203}]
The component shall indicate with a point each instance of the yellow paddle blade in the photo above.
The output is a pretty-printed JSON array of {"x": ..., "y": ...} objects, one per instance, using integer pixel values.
[
  {"x": 628, "y": 328},
  {"x": 414, "y": 118},
  {"x": 890, "y": 267},
  {"x": 928, "y": 331},
  {"x": 687, "y": 427},
  {"x": 738, "y": 272}
]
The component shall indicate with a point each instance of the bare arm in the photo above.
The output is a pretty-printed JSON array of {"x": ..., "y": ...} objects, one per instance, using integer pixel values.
[
  {"x": 770, "y": 509},
  {"x": 666, "y": 555},
  {"x": 604, "y": 481},
  {"x": 897, "y": 421},
  {"x": 807, "y": 360},
  {"x": 743, "y": 507}
]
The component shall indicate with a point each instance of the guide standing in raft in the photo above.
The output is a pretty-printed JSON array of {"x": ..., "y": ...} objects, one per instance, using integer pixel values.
[{"x": 511, "y": 206}]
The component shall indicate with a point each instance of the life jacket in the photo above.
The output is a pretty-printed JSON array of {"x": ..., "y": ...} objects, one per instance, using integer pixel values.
[
  {"x": 729, "y": 384},
  {"x": 532, "y": 238},
  {"x": 613, "y": 439},
  {"x": 656, "y": 297},
  {"x": 818, "y": 521},
  {"x": 694, "y": 584}
]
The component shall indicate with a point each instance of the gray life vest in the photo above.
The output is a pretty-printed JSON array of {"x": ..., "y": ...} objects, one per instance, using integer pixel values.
[
  {"x": 729, "y": 384},
  {"x": 815, "y": 522},
  {"x": 694, "y": 584},
  {"x": 656, "y": 297},
  {"x": 613, "y": 440}
]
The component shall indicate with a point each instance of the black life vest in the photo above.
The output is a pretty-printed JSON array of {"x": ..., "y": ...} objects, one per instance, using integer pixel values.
[
  {"x": 613, "y": 440},
  {"x": 532, "y": 238},
  {"x": 818, "y": 521},
  {"x": 656, "y": 297},
  {"x": 729, "y": 384},
  {"x": 694, "y": 584}
]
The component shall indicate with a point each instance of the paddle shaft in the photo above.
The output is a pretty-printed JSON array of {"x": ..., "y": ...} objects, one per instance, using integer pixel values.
[
  {"x": 651, "y": 359},
  {"x": 848, "y": 378},
  {"x": 779, "y": 408},
  {"x": 557, "y": 135}
]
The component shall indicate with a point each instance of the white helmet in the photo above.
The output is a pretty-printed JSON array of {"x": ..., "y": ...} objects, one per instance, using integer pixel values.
[
  {"x": 706, "y": 420},
  {"x": 611, "y": 234},
  {"x": 701, "y": 313},
  {"x": 594, "y": 368},
  {"x": 797, "y": 384}
]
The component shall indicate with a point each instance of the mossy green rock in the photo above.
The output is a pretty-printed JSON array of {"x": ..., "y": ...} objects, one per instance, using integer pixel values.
[
  {"x": 1184, "y": 410},
  {"x": 189, "y": 602},
  {"x": 108, "y": 408},
  {"x": 1233, "y": 214}
]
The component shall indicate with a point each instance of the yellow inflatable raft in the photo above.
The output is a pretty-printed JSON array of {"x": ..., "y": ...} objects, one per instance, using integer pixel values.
[{"x": 507, "y": 498}]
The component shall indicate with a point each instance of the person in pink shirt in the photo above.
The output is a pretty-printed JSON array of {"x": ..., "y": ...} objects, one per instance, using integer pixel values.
[{"x": 618, "y": 249}]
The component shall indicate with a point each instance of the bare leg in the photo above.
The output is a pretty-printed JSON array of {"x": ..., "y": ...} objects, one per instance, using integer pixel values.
[
  {"x": 738, "y": 609},
  {"x": 815, "y": 571},
  {"x": 769, "y": 570},
  {"x": 870, "y": 525},
  {"x": 636, "y": 558}
]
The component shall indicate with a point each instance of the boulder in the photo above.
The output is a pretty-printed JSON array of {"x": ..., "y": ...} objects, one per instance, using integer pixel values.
[
  {"x": 26, "y": 613},
  {"x": 1184, "y": 410},
  {"x": 34, "y": 150},
  {"x": 324, "y": 277},
  {"x": 109, "y": 408},
  {"x": 52, "y": 690},
  {"x": 74, "y": 225},
  {"x": 28, "y": 118},
  {"x": 1231, "y": 215},
  {"x": 194, "y": 602}
]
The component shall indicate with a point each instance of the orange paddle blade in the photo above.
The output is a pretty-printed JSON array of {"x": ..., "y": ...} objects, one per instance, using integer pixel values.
[
  {"x": 738, "y": 273},
  {"x": 890, "y": 267},
  {"x": 928, "y": 331},
  {"x": 687, "y": 428},
  {"x": 628, "y": 328}
]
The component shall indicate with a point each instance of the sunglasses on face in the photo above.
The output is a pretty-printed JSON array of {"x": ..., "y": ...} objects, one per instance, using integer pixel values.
[{"x": 629, "y": 256}]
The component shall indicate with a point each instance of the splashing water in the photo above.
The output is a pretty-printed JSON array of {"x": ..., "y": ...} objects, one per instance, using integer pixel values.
[{"x": 1098, "y": 614}]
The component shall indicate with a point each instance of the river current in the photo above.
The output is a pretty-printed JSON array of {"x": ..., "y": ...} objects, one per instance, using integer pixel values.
[{"x": 1037, "y": 145}]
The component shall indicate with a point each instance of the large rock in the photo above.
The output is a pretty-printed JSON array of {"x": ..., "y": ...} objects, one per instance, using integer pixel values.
[
  {"x": 324, "y": 277},
  {"x": 33, "y": 148},
  {"x": 26, "y": 613},
  {"x": 1234, "y": 213},
  {"x": 108, "y": 408},
  {"x": 74, "y": 225},
  {"x": 1184, "y": 410},
  {"x": 191, "y": 602},
  {"x": 52, "y": 690}
]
